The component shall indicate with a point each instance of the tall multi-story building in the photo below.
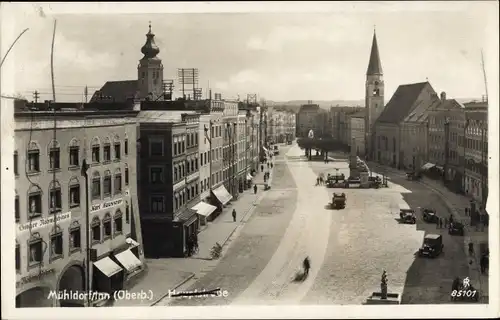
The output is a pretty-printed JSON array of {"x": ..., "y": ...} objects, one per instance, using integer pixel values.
[
  {"x": 414, "y": 135},
  {"x": 229, "y": 149},
  {"x": 358, "y": 131},
  {"x": 446, "y": 122},
  {"x": 55, "y": 211},
  {"x": 307, "y": 119},
  {"x": 169, "y": 182},
  {"x": 290, "y": 125},
  {"x": 253, "y": 130},
  {"x": 476, "y": 150},
  {"x": 281, "y": 125}
]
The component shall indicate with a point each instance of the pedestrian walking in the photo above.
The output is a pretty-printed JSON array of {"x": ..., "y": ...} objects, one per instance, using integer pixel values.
[
  {"x": 445, "y": 222},
  {"x": 271, "y": 165},
  {"x": 483, "y": 263},
  {"x": 466, "y": 211},
  {"x": 254, "y": 189},
  {"x": 268, "y": 164},
  {"x": 471, "y": 248},
  {"x": 261, "y": 168},
  {"x": 234, "y": 215}
]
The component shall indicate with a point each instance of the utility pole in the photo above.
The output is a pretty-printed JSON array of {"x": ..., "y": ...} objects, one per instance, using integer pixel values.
[
  {"x": 84, "y": 173},
  {"x": 86, "y": 93},
  {"x": 52, "y": 62},
  {"x": 36, "y": 95}
]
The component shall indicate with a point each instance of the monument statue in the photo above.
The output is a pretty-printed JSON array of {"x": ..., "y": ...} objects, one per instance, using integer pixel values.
[
  {"x": 310, "y": 135},
  {"x": 383, "y": 286}
]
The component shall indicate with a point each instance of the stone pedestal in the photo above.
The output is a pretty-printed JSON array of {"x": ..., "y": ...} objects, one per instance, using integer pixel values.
[{"x": 377, "y": 298}]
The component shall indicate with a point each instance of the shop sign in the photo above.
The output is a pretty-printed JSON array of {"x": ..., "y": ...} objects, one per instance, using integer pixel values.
[
  {"x": 106, "y": 205},
  {"x": 41, "y": 223},
  {"x": 34, "y": 277}
]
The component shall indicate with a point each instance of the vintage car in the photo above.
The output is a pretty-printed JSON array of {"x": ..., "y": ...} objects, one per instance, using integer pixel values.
[
  {"x": 432, "y": 246},
  {"x": 339, "y": 200},
  {"x": 429, "y": 215},
  {"x": 336, "y": 181},
  {"x": 456, "y": 228},
  {"x": 407, "y": 216},
  {"x": 412, "y": 175}
]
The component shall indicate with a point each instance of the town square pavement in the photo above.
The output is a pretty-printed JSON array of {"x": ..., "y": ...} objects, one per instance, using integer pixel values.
[{"x": 349, "y": 249}]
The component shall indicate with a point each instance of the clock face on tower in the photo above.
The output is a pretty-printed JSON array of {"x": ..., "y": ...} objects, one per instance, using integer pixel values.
[{"x": 376, "y": 83}]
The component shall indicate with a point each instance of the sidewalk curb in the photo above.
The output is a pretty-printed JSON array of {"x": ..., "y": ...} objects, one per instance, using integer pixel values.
[{"x": 175, "y": 287}]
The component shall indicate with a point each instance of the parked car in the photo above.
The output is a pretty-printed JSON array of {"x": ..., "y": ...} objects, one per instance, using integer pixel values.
[
  {"x": 456, "y": 228},
  {"x": 412, "y": 175},
  {"x": 429, "y": 215},
  {"x": 338, "y": 201},
  {"x": 432, "y": 246},
  {"x": 407, "y": 216}
]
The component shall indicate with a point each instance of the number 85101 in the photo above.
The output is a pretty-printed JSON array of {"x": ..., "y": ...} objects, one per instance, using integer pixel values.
[{"x": 463, "y": 293}]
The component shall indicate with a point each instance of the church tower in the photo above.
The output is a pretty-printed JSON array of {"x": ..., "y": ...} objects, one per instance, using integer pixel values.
[
  {"x": 374, "y": 96},
  {"x": 150, "y": 70}
]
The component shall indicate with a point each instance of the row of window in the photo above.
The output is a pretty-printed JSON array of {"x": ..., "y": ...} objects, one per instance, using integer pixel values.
[
  {"x": 100, "y": 232},
  {"x": 192, "y": 139},
  {"x": 108, "y": 189},
  {"x": 33, "y": 155},
  {"x": 180, "y": 198},
  {"x": 35, "y": 208}
]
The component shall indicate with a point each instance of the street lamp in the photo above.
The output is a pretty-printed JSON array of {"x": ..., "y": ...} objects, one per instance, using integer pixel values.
[{"x": 207, "y": 136}]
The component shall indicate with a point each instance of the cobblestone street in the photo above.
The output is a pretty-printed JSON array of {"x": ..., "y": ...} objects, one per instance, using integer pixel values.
[{"x": 348, "y": 248}]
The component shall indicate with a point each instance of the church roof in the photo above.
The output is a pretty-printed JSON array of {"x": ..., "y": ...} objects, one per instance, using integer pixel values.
[
  {"x": 150, "y": 50},
  {"x": 117, "y": 91},
  {"x": 403, "y": 101},
  {"x": 374, "y": 66}
]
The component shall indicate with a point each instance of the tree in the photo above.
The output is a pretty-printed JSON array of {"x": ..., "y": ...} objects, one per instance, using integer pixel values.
[{"x": 308, "y": 144}]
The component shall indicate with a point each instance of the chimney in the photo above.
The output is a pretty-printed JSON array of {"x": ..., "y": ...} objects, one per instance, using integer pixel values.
[{"x": 443, "y": 96}]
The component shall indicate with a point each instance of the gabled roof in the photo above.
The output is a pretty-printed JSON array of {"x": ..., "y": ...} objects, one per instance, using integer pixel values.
[
  {"x": 451, "y": 104},
  {"x": 117, "y": 91},
  {"x": 421, "y": 111},
  {"x": 402, "y": 102},
  {"x": 374, "y": 66}
]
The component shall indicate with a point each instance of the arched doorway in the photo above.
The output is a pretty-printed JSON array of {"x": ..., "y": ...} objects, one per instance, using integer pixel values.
[
  {"x": 37, "y": 297},
  {"x": 72, "y": 282}
]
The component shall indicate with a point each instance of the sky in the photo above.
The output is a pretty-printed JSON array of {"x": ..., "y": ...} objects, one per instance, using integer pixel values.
[{"x": 296, "y": 55}]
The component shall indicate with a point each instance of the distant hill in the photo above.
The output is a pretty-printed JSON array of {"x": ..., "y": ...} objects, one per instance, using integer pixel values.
[
  {"x": 294, "y": 105},
  {"x": 324, "y": 104}
]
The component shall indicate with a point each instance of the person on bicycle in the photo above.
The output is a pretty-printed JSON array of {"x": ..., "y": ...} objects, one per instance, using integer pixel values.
[{"x": 307, "y": 265}]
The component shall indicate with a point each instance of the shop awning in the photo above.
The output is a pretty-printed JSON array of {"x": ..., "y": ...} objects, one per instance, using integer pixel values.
[
  {"x": 186, "y": 216},
  {"x": 427, "y": 166},
  {"x": 249, "y": 177},
  {"x": 128, "y": 260},
  {"x": 132, "y": 243},
  {"x": 107, "y": 266},
  {"x": 204, "y": 209},
  {"x": 222, "y": 195}
]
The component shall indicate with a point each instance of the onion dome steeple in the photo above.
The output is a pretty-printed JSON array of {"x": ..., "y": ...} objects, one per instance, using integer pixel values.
[
  {"x": 149, "y": 49},
  {"x": 374, "y": 66}
]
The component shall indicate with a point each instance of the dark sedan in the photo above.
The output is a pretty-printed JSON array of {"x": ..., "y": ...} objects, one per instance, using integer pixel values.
[{"x": 456, "y": 228}]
